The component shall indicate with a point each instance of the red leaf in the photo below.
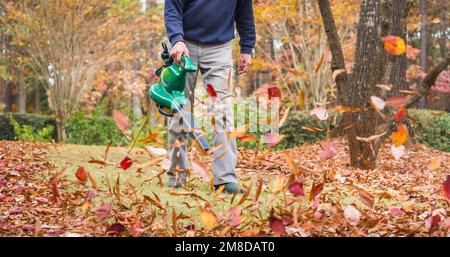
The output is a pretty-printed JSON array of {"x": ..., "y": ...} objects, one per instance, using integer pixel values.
[
  {"x": 329, "y": 152},
  {"x": 104, "y": 211},
  {"x": 315, "y": 191},
  {"x": 136, "y": 227},
  {"x": 397, "y": 101},
  {"x": 122, "y": 121},
  {"x": 396, "y": 211},
  {"x": 126, "y": 163},
  {"x": 55, "y": 190},
  {"x": 115, "y": 228},
  {"x": 432, "y": 221},
  {"x": 277, "y": 226},
  {"x": 446, "y": 188},
  {"x": 211, "y": 91},
  {"x": 400, "y": 115},
  {"x": 273, "y": 92},
  {"x": 81, "y": 175},
  {"x": 296, "y": 188}
]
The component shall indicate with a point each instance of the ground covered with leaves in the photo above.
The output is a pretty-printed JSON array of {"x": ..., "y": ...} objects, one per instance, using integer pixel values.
[{"x": 68, "y": 190}]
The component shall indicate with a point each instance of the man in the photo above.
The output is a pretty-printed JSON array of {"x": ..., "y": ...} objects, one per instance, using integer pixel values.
[{"x": 203, "y": 30}]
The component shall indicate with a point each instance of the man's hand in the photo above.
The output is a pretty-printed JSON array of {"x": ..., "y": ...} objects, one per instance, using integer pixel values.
[
  {"x": 178, "y": 50},
  {"x": 245, "y": 61}
]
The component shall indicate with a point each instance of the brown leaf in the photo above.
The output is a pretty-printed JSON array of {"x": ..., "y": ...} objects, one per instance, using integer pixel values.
[{"x": 316, "y": 189}]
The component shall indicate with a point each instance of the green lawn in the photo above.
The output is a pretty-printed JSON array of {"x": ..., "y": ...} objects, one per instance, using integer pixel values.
[{"x": 136, "y": 184}]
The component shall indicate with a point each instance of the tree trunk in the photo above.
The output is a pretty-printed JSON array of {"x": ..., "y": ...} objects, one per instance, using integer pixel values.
[
  {"x": 60, "y": 128},
  {"x": 397, "y": 64},
  {"x": 8, "y": 100},
  {"x": 21, "y": 94},
  {"x": 443, "y": 28},
  {"x": 37, "y": 97},
  {"x": 370, "y": 70},
  {"x": 423, "y": 43}
]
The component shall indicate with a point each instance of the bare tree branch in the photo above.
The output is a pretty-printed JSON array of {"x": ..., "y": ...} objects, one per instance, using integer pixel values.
[{"x": 428, "y": 81}]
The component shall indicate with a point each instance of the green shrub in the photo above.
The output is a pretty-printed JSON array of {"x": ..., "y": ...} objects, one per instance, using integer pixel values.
[
  {"x": 35, "y": 123},
  {"x": 432, "y": 130},
  {"x": 27, "y": 133},
  {"x": 94, "y": 129}
]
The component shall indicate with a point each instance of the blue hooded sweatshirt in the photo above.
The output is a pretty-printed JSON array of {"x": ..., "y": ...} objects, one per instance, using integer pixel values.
[{"x": 210, "y": 21}]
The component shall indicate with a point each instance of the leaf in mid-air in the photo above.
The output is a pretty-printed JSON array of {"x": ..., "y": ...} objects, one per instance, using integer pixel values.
[{"x": 394, "y": 45}]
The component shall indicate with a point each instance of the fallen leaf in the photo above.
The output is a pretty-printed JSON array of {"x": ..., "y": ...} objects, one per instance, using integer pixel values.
[
  {"x": 446, "y": 188},
  {"x": 330, "y": 151},
  {"x": 396, "y": 211},
  {"x": 316, "y": 189},
  {"x": 277, "y": 226},
  {"x": 208, "y": 219},
  {"x": 352, "y": 215},
  {"x": 115, "y": 228},
  {"x": 435, "y": 164},
  {"x": 296, "y": 188},
  {"x": 104, "y": 211},
  {"x": 234, "y": 216}
]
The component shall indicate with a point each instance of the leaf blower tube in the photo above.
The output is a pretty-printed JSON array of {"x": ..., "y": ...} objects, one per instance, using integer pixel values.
[{"x": 170, "y": 96}]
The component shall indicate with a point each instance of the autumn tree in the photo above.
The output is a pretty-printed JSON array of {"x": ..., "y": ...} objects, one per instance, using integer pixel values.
[
  {"x": 372, "y": 67},
  {"x": 69, "y": 42}
]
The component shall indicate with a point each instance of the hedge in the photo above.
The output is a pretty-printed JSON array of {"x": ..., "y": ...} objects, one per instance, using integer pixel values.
[
  {"x": 37, "y": 122},
  {"x": 432, "y": 129}
]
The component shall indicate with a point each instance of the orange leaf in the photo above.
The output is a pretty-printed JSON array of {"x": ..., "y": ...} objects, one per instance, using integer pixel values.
[
  {"x": 400, "y": 136},
  {"x": 208, "y": 219},
  {"x": 342, "y": 109},
  {"x": 394, "y": 45}
]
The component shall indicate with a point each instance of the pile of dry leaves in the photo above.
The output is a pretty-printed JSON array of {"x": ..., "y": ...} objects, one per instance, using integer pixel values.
[{"x": 306, "y": 191}]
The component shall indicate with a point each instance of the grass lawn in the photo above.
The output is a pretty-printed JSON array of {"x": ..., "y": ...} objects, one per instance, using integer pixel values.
[{"x": 136, "y": 184}]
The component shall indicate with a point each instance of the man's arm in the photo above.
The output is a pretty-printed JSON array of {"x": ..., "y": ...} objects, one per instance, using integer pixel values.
[
  {"x": 173, "y": 19},
  {"x": 245, "y": 24}
]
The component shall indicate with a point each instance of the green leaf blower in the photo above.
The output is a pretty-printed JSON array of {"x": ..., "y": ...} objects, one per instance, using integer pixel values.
[{"x": 170, "y": 96}]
